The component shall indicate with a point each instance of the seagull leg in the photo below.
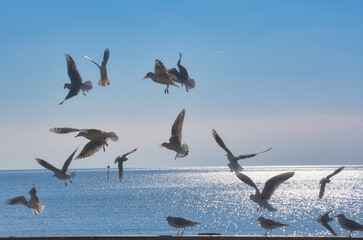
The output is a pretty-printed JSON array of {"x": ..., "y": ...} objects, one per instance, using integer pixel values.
[
  {"x": 266, "y": 232},
  {"x": 350, "y": 235},
  {"x": 183, "y": 231},
  {"x": 84, "y": 94},
  {"x": 178, "y": 231},
  {"x": 270, "y": 232},
  {"x": 65, "y": 183},
  {"x": 70, "y": 180}
]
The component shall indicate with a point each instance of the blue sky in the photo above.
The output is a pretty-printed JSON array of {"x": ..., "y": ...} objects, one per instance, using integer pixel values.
[{"x": 280, "y": 74}]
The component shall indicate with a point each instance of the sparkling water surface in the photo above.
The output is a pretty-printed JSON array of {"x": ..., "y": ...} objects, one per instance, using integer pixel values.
[{"x": 213, "y": 196}]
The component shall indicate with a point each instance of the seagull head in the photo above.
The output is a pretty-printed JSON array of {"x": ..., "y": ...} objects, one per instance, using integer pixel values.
[
  {"x": 260, "y": 218},
  {"x": 81, "y": 134},
  {"x": 67, "y": 85},
  {"x": 148, "y": 75},
  {"x": 340, "y": 216},
  {"x": 164, "y": 144}
]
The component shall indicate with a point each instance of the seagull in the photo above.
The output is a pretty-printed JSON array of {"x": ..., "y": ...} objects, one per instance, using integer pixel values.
[
  {"x": 349, "y": 224},
  {"x": 324, "y": 220},
  {"x": 161, "y": 76},
  {"x": 120, "y": 161},
  {"x": 104, "y": 81},
  {"x": 32, "y": 203},
  {"x": 76, "y": 80},
  {"x": 233, "y": 160},
  {"x": 182, "y": 76},
  {"x": 98, "y": 139},
  {"x": 262, "y": 198},
  {"x": 174, "y": 144},
  {"x": 268, "y": 223},
  {"x": 180, "y": 222},
  {"x": 60, "y": 174},
  {"x": 326, "y": 180}
]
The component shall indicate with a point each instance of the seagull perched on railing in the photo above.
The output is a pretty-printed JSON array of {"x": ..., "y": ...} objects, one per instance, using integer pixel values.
[
  {"x": 104, "y": 81},
  {"x": 326, "y": 180},
  {"x": 349, "y": 224},
  {"x": 32, "y": 203},
  {"x": 262, "y": 198},
  {"x": 180, "y": 222},
  {"x": 120, "y": 160},
  {"x": 175, "y": 140},
  {"x": 58, "y": 173},
  {"x": 98, "y": 139},
  {"x": 233, "y": 160},
  {"x": 76, "y": 80},
  {"x": 270, "y": 224},
  {"x": 182, "y": 76},
  {"x": 324, "y": 221},
  {"x": 161, "y": 76}
]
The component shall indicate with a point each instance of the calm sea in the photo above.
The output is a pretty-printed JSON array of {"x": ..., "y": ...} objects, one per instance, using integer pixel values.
[{"x": 213, "y": 196}]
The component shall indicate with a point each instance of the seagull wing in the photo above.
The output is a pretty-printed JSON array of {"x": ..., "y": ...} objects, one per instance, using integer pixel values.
[
  {"x": 220, "y": 142},
  {"x": 120, "y": 170},
  {"x": 21, "y": 200},
  {"x": 322, "y": 189},
  {"x": 182, "y": 70},
  {"x": 250, "y": 155},
  {"x": 91, "y": 148},
  {"x": 72, "y": 70},
  {"x": 92, "y": 60},
  {"x": 133, "y": 150},
  {"x": 106, "y": 55},
  {"x": 335, "y": 172},
  {"x": 160, "y": 69},
  {"x": 174, "y": 75},
  {"x": 72, "y": 92},
  {"x": 327, "y": 226},
  {"x": 244, "y": 178},
  {"x": 180, "y": 221},
  {"x": 64, "y": 130},
  {"x": 273, "y": 183},
  {"x": 68, "y": 162},
  {"x": 48, "y": 166},
  {"x": 176, "y": 129}
]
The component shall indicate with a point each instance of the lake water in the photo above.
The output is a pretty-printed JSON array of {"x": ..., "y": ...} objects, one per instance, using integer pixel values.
[{"x": 213, "y": 196}]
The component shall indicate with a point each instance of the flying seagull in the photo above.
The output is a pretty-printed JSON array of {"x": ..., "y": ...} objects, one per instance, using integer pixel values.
[
  {"x": 76, "y": 80},
  {"x": 262, "y": 198},
  {"x": 182, "y": 76},
  {"x": 324, "y": 221},
  {"x": 326, "y": 180},
  {"x": 270, "y": 224},
  {"x": 98, "y": 139},
  {"x": 120, "y": 160},
  {"x": 104, "y": 81},
  {"x": 174, "y": 143},
  {"x": 180, "y": 222},
  {"x": 161, "y": 76},
  {"x": 32, "y": 203},
  {"x": 233, "y": 160},
  {"x": 349, "y": 224},
  {"x": 60, "y": 173}
]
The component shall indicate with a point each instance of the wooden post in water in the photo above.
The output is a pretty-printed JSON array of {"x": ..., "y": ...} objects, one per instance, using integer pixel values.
[{"x": 108, "y": 172}]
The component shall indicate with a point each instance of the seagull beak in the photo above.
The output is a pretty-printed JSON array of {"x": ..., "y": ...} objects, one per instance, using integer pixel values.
[
  {"x": 144, "y": 78},
  {"x": 257, "y": 220},
  {"x": 161, "y": 145}
]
